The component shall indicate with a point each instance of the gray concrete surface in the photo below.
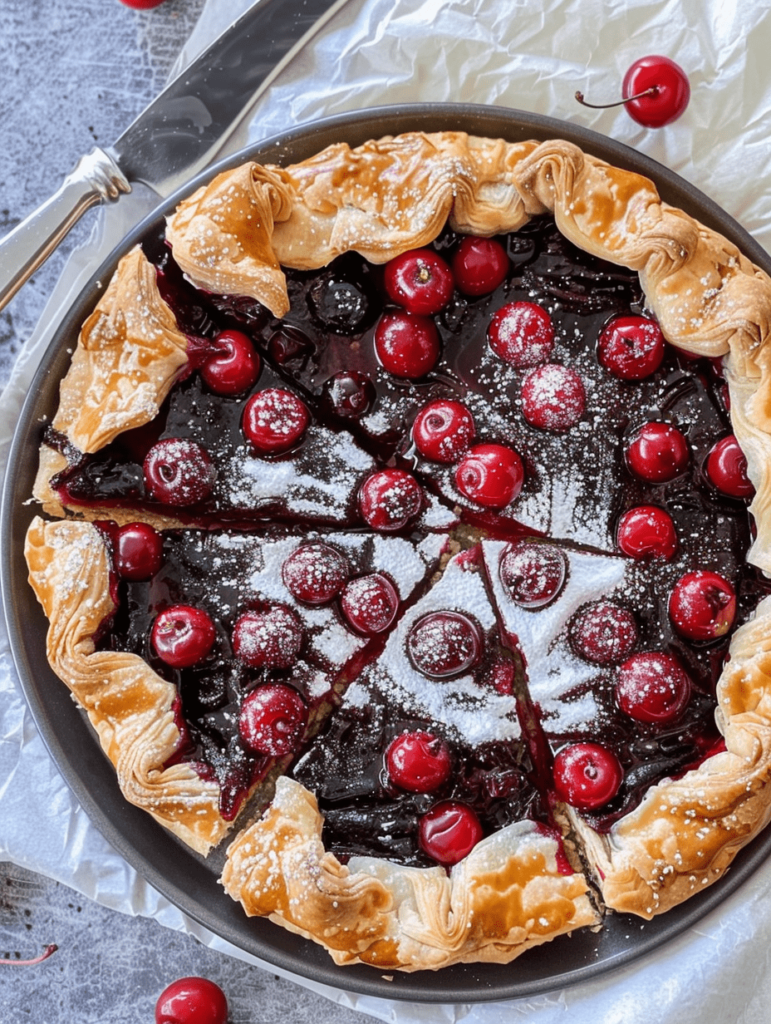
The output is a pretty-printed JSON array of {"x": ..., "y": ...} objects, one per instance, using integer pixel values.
[{"x": 74, "y": 73}]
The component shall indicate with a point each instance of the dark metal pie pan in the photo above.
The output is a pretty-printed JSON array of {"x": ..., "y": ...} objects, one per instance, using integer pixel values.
[{"x": 183, "y": 877}]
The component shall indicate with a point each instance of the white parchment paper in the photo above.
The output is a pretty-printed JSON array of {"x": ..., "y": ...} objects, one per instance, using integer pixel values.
[{"x": 532, "y": 55}]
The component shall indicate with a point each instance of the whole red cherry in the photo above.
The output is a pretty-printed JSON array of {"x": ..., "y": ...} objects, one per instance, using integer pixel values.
[
  {"x": 418, "y": 762},
  {"x": 369, "y": 603},
  {"x": 653, "y": 687},
  {"x": 419, "y": 281},
  {"x": 656, "y": 92},
  {"x": 273, "y": 720},
  {"x": 275, "y": 420},
  {"x": 533, "y": 573},
  {"x": 315, "y": 572},
  {"x": 727, "y": 469},
  {"x": 647, "y": 532},
  {"x": 443, "y": 430},
  {"x": 138, "y": 551},
  {"x": 631, "y": 347},
  {"x": 522, "y": 334},
  {"x": 142, "y": 5},
  {"x": 491, "y": 475},
  {"x": 406, "y": 344},
  {"x": 390, "y": 499},
  {"x": 183, "y": 635},
  {"x": 449, "y": 832},
  {"x": 658, "y": 452},
  {"x": 192, "y": 1001},
  {"x": 587, "y": 775},
  {"x": 270, "y": 638},
  {"x": 444, "y": 644},
  {"x": 553, "y": 397},
  {"x": 603, "y": 632},
  {"x": 178, "y": 471},
  {"x": 479, "y": 265},
  {"x": 702, "y": 605},
  {"x": 234, "y": 366}
]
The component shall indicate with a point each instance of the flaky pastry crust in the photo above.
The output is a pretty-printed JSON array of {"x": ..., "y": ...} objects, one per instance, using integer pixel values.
[
  {"x": 127, "y": 703},
  {"x": 507, "y": 895},
  {"x": 381, "y": 199}
]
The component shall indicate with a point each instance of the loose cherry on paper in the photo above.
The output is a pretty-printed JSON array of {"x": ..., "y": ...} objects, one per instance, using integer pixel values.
[
  {"x": 192, "y": 1001},
  {"x": 142, "y": 5},
  {"x": 655, "y": 91}
]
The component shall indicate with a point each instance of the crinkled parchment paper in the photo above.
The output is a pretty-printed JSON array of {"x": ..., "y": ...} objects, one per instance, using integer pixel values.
[{"x": 532, "y": 55}]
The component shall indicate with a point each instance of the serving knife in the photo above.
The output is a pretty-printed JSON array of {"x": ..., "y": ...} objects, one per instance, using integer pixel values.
[{"x": 178, "y": 134}]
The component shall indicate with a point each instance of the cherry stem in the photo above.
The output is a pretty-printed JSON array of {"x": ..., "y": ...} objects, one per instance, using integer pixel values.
[
  {"x": 48, "y": 951},
  {"x": 653, "y": 91}
]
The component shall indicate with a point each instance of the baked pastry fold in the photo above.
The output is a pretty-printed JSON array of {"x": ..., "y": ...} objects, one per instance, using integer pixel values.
[{"x": 507, "y": 895}]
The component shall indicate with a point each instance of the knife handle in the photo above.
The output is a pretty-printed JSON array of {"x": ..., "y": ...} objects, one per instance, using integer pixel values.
[{"x": 96, "y": 178}]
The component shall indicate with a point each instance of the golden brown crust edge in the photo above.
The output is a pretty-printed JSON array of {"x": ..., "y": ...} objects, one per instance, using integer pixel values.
[{"x": 506, "y": 896}]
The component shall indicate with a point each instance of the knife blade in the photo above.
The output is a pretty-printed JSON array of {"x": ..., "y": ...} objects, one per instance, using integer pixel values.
[{"x": 178, "y": 134}]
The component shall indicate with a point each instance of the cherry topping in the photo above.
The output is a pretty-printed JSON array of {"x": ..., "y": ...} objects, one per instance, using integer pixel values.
[
  {"x": 406, "y": 344},
  {"x": 479, "y": 265},
  {"x": 653, "y": 687},
  {"x": 192, "y": 1001},
  {"x": 178, "y": 471},
  {"x": 369, "y": 603},
  {"x": 339, "y": 303},
  {"x": 420, "y": 281},
  {"x": 444, "y": 644},
  {"x": 235, "y": 365},
  {"x": 182, "y": 635},
  {"x": 521, "y": 333},
  {"x": 288, "y": 344},
  {"x": 586, "y": 775},
  {"x": 349, "y": 394},
  {"x": 268, "y": 639},
  {"x": 389, "y": 499},
  {"x": 449, "y": 832},
  {"x": 418, "y": 762},
  {"x": 315, "y": 573},
  {"x": 553, "y": 397},
  {"x": 727, "y": 469},
  {"x": 631, "y": 347},
  {"x": 443, "y": 430},
  {"x": 275, "y": 420},
  {"x": 702, "y": 605},
  {"x": 533, "y": 573},
  {"x": 273, "y": 720},
  {"x": 656, "y": 92},
  {"x": 658, "y": 452},
  {"x": 647, "y": 532},
  {"x": 491, "y": 475},
  {"x": 603, "y": 633},
  {"x": 138, "y": 551}
]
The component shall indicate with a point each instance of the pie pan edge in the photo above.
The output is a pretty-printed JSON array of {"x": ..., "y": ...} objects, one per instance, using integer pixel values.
[{"x": 157, "y": 857}]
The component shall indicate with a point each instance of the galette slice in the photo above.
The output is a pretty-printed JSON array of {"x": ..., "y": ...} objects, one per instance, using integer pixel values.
[
  {"x": 177, "y": 429},
  {"x": 637, "y": 707},
  {"x": 411, "y": 835},
  {"x": 206, "y": 661}
]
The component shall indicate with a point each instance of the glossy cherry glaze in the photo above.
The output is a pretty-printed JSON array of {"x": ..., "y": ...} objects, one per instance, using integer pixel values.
[{"x": 329, "y": 337}]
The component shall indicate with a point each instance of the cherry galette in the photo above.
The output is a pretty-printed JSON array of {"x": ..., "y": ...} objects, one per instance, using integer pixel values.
[{"x": 420, "y": 523}]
